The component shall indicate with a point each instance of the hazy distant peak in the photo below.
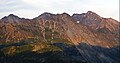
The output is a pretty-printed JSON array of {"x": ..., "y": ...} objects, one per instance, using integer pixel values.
[
  {"x": 11, "y": 18},
  {"x": 90, "y": 12},
  {"x": 45, "y": 15},
  {"x": 65, "y": 14},
  {"x": 12, "y": 15}
]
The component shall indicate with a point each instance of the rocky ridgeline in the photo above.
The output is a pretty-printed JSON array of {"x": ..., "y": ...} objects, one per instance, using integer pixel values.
[{"x": 63, "y": 33}]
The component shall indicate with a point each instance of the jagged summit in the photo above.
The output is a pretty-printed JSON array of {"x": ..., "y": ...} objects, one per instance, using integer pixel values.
[
  {"x": 11, "y": 16},
  {"x": 94, "y": 21},
  {"x": 65, "y": 14},
  {"x": 45, "y": 15},
  {"x": 91, "y": 12},
  {"x": 88, "y": 12}
]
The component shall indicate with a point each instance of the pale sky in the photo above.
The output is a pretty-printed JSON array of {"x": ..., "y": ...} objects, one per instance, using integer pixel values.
[{"x": 33, "y": 8}]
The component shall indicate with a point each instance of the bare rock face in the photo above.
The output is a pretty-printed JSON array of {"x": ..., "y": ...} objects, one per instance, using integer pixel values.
[
  {"x": 90, "y": 19},
  {"x": 95, "y": 22},
  {"x": 102, "y": 28},
  {"x": 99, "y": 34}
]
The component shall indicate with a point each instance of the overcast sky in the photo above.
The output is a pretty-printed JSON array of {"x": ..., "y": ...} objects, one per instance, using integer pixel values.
[{"x": 33, "y": 8}]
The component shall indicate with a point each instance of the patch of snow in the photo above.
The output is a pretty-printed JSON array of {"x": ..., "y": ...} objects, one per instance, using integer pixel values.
[{"x": 78, "y": 21}]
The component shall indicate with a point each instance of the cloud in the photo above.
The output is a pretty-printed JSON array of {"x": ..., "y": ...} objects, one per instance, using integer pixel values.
[
  {"x": 12, "y": 5},
  {"x": 7, "y": 6},
  {"x": 105, "y": 8}
]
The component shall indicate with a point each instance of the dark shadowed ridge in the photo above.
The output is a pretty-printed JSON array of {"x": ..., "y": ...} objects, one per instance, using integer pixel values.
[{"x": 88, "y": 54}]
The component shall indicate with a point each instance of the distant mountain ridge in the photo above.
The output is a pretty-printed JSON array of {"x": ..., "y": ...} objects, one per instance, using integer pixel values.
[
  {"x": 57, "y": 29},
  {"x": 89, "y": 20}
]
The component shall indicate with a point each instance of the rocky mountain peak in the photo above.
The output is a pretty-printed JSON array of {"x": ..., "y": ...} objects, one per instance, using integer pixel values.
[
  {"x": 65, "y": 14},
  {"x": 96, "y": 22},
  {"x": 12, "y": 15},
  {"x": 92, "y": 15},
  {"x": 10, "y": 18},
  {"x": 91, "y": 12},
  {"x": 46, "y": 16},
  {"x": 89, "y": 16}
]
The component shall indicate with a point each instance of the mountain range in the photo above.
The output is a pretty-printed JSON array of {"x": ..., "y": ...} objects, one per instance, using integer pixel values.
[{"x": 59, "y": 38}]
